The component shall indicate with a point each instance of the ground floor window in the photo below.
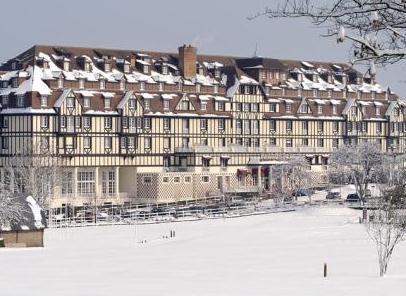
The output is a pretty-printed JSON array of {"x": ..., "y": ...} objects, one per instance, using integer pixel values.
[
  {"x": 86, "y": 183},
  {"x": 67, "y": 183},
  {"x": 108, "y": 182}
]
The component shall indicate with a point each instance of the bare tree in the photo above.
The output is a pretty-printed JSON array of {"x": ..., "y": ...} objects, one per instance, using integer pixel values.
[
  {"x": 33, "y": 171},
  {"x": 11, "y": 209},
  {"x": 293, "y": 176},
  {"x": 386, "y": 225},
  {"x": 377, "y": 28},
  {"x": 362, "y": 163}
]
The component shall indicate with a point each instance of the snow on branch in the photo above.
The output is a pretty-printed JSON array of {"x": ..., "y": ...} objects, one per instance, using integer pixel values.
[{"x": 376, "y": 28}]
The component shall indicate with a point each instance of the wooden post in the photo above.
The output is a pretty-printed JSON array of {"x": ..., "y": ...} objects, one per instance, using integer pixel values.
[{"x": 325, "y": 270}]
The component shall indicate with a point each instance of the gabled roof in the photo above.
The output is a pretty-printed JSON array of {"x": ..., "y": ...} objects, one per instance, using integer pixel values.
[
  {"x": 391, "y": 106},
  {"x": 348, "y": 106},
  {"x": 125, "y": 99},
  {"x": 63, "y": 97}
]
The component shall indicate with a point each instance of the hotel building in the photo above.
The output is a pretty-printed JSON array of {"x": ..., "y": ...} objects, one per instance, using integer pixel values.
[{"x": 131, "y": 126}]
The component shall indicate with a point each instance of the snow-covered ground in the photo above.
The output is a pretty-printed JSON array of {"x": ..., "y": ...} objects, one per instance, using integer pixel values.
[{"x": 274, "y": 254}]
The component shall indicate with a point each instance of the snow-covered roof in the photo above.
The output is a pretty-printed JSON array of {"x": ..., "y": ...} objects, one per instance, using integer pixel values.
[
  {"x": 350, "y": 103},
  {"x": 168, "y": 96},
  {"x": 27, "y": 110},
  {"x": 62, "y": 97},
  {"x": 148, "y": 95},
  {"x": 248, "y": 80},
  {"x": 125, "y": 99}
]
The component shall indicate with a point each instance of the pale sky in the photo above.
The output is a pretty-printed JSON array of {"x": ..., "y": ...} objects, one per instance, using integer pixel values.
[{"x": 214, "y": 26}]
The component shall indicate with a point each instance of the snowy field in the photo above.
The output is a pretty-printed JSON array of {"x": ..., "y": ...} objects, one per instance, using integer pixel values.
[{"x": 274, "y": 254}]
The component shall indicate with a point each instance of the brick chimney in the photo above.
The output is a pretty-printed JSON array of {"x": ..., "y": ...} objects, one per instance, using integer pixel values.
[
  {"x": 187, "y": 61},
  {"x": 133, "y": 60}
]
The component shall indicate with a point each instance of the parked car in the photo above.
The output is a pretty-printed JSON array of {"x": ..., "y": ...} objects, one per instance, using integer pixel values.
[
  {"x": 303, "y": 192},
  {"x": 353, "y": 197},
  {"x": 333, "y": 195}
]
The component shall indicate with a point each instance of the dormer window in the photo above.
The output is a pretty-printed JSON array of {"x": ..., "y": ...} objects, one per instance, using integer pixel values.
[
  {"x": 315, "y": 92},
  {"x": 304, "y": 108},
  {"x": 147, "y": 104},
  {"x": 14, "y": 82},
  {"x": 166, "y": 105},
  {"x": 344, "y": 79},
  {"x": 81, "y": 83},
  {"x": 107, "y": 103},
  {"x": 217, "y": 73},
  {"x": 102, "y": 84},
  {"x": 203, "y": 106},
  {"x": 66, "y": 66},
  {"x": 126, "y": 67},
  {"x": 315, "y": 77},
  {"x": 216, "y": 88},
  {"x": 164, "y": 69},
  {"x": 334, "y": 109},
  {"x": 4, "y": 100},
  {"x": 45, "y": 64},
  {"x": 200, "y": 70},
  {"x": 185, "y": 105},
  {"x": 378, "y": 110},
  {"x": 267, "y": 90},
  {"x": 86, "y": 102},
  {"x": 20, "y": 101},
  {"x": 220, "y": 106},
  {"x": 320, "y": 109},
  {"x": 198, "y": 87},
  {"x": 329, "y": 78},
  {"x": 122, "y": 84},
  {"x": 14, "y": 65},
  {"x": 146, "y": 69},
  {"x": 60, "y": 82},
  {"x": 44, "y": 101},
  {"x": 5, "y": 84},
  {"x": 87, "y": 66},
  {"x": 358, "y": 80},
  {"x": 107, "y": 67},
  {"x": 161, "y": 86},
  {"x": 142, "y": 85}
]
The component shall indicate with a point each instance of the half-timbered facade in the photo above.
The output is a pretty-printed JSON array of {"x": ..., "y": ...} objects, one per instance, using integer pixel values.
[{"x": 135, "y": 126}]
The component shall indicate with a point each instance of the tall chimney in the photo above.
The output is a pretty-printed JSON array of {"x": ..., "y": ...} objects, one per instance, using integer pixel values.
[
  {"x": 187, "y": 61},
  {"x": 133, "y": 60}
]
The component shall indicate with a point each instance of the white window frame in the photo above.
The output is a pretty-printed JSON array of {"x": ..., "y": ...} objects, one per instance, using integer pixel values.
[
  {"x": 108, "y": 142},
  {"x": 102, "y": 84},
  {"x": 44, "y": 101},
  {"x": 86, "y": 102},
  {"x": 87, "y": 142},
  {"x": 20, "y": 101},
  {"x": 107, "y": 103},
  {"x": 108, "y": 122},
  {"x": 44, "y": 121}
]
